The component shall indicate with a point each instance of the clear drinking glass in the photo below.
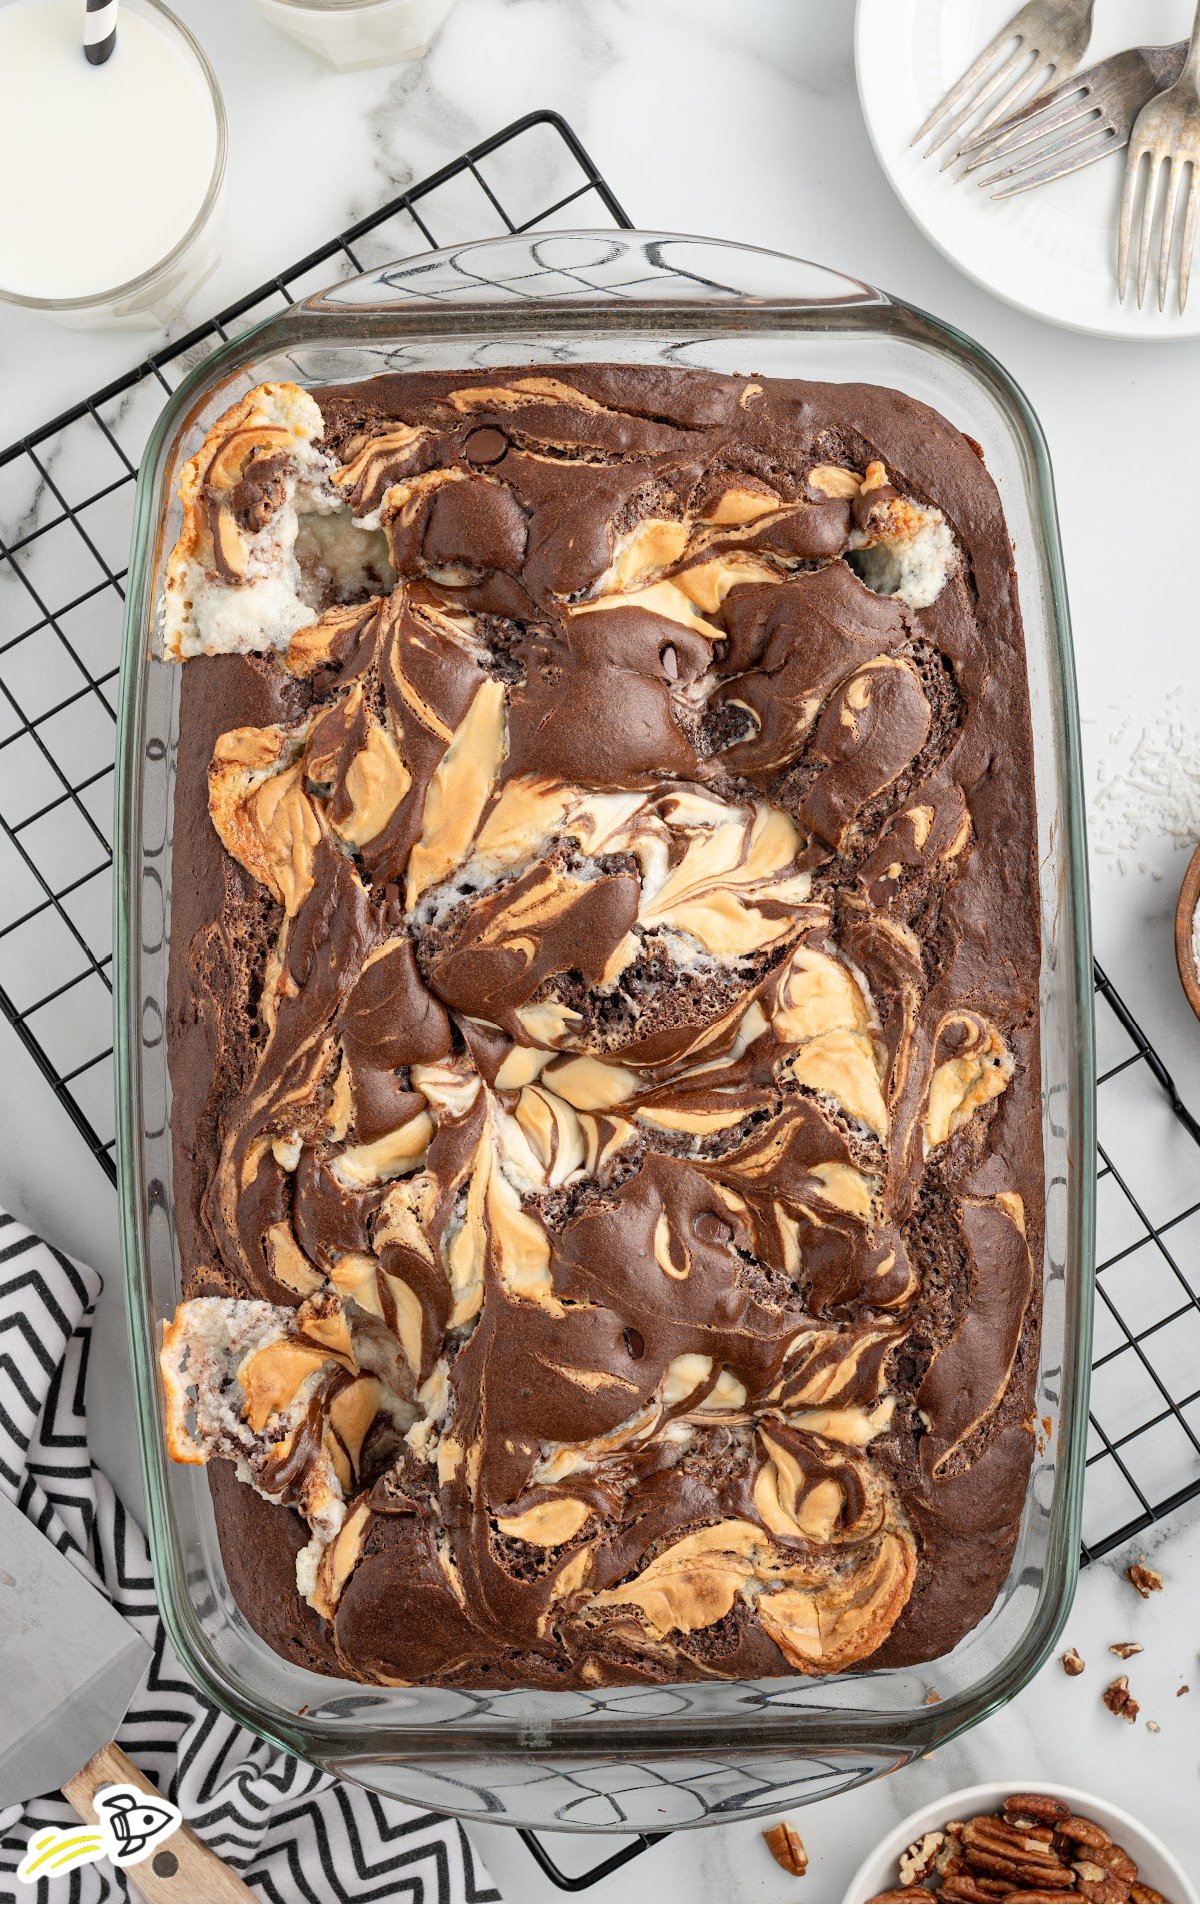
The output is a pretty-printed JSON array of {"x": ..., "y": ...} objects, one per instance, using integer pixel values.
[
  {"x": 160, "y": 292},
  {"x": 646, "y": 1757},
  {"x": 353, "y": 33}
]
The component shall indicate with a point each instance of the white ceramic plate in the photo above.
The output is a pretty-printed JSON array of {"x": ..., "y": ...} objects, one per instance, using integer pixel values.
[
  {"x": 1052, "y": 251},
  {"x": 1156, "y": 1866}
]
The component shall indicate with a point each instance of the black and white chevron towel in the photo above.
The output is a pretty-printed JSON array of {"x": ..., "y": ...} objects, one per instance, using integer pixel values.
[{"x": 291, "y": 1832}]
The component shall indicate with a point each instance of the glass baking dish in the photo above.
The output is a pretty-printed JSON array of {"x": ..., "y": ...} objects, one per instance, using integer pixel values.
[{"x": 646, "y": 1757}]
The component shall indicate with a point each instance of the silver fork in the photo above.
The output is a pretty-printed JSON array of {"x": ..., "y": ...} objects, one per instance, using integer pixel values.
[
  {"x": 1091, "y": 114},
  {"x": 1167, "y": 132},
  {"x": 1047, "y": 33}
]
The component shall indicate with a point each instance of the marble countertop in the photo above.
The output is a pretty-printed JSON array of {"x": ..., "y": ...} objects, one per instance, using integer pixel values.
[{"x": 789, "y": 166}]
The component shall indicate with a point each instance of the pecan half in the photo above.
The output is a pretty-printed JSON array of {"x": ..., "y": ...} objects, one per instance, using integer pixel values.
[
  {"x": 1083, "y": 1831},
  {"x": 1104, "y": 1891},
  {"x": 1118, "y": 1699},
  {"x": 1145, "y": 1895},
  {"x": 1005, "y": 1851},
  {"x": 787, "y": 1848},
  {"x": 905, "y": 1895},
  {"x": 973, "y": 1888},
  {"x": 1114, "y": 1859},
  {"x": 1146, "y": 1580},
  {"x": 1039, "y": 1807},
  {"x": 1073, "y": 1663}
]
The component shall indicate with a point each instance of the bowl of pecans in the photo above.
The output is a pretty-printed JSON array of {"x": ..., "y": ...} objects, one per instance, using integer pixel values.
[{"x": 993, "y": 1842}]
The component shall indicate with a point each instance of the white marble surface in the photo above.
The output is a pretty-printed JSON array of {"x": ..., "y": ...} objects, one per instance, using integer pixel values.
[{"x": 741, "y": 122}]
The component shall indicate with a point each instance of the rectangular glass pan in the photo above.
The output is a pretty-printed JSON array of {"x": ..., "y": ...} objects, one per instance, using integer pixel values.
[{"x": 646, "y": 1757}]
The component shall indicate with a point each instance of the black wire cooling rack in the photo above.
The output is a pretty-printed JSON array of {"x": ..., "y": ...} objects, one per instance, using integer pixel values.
[{"x": 66, "y": 506}]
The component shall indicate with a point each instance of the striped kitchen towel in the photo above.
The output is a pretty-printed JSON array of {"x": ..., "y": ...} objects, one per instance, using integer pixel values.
[{"x": 291, "y": 1832}]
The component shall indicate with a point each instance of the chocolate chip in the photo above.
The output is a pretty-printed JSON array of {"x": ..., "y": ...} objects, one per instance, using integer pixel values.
[
  {"x": 710, "y": 1228},
  {"x": 670, "y": 662},
  {"x": 635, "y": 1343},
  {"x": 485, "y": 446}
]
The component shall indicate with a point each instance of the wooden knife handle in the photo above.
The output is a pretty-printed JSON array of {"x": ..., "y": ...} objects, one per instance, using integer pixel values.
[{"x": 195, "y": 1872}]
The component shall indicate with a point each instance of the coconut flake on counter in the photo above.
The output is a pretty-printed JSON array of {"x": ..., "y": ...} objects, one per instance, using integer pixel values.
[{"x": 1147, "y": 790}]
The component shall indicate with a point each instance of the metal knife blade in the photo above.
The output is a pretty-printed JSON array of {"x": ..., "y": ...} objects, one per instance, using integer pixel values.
[{"x": 69, "y": 1663}]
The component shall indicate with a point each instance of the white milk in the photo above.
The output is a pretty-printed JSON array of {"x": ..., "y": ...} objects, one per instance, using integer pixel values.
[{"x": 102, "y": 168}]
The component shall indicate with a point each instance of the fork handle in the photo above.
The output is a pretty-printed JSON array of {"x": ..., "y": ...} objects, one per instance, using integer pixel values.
[
  {"x": 1165, "y": 63},
  {"x": 1191, "y": 65}
]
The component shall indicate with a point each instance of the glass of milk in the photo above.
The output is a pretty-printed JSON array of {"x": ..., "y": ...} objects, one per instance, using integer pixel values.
[
  {"x": 351, "y": 33},
  {"x": 110, "y": 176}
]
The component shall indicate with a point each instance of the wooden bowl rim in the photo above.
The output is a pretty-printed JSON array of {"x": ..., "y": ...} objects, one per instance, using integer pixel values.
[{"x": 1185, "y": 914}]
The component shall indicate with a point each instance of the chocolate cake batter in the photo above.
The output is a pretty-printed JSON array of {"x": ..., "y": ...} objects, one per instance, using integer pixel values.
[{"x": 603, "y": 1025}]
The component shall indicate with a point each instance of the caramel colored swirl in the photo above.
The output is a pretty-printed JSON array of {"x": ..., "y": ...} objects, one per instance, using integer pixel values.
[{"x": 599, "y": 1236}]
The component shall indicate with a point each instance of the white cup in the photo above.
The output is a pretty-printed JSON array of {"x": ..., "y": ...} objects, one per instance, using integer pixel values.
[
  {"x": 353, "y": 33},
  {"x": 112, "y": 220}
]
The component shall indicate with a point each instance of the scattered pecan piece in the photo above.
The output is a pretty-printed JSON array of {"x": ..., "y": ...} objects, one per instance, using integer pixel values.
[
  {"x": 1118, "y": 1699},
  {"x": 787, "y": 1848},
  {"x": 1146, "y": 1580},
  {"x": 1152, "y": 1726},
  {"x": 1180, "y": 1691},
  {"x": 1073, "y": 1663},
  {"x": 1125, "y": 1649}
]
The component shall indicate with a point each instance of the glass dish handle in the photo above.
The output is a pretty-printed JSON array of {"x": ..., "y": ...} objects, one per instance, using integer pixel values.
[
  {"x": 508, "y": 275},
  {"x": 578, "y": 1792}
]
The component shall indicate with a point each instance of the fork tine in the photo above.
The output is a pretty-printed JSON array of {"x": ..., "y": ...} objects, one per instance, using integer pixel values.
[
  {"x": 1051, "y": 162},
  {"x": 1070, "y": 158},
  {"x": 1168, "y": 229},
  {"x": 979, "y": 98},
  {"x": 1147, "y": 231},
  {"x": 1034, "y": 78},
  {"x": 962, "y": 87},
  {"x": 1189, "y": 238},
  {"x": 1080, "y": 113},
  {"x": 1071, "y": 91},
  {"x": 1133, "y": 168}
]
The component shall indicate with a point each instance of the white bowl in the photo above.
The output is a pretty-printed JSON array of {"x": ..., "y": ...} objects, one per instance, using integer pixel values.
[
  {"x": 879, "y": 1872},
  {"x": 354, "y": 33}
]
